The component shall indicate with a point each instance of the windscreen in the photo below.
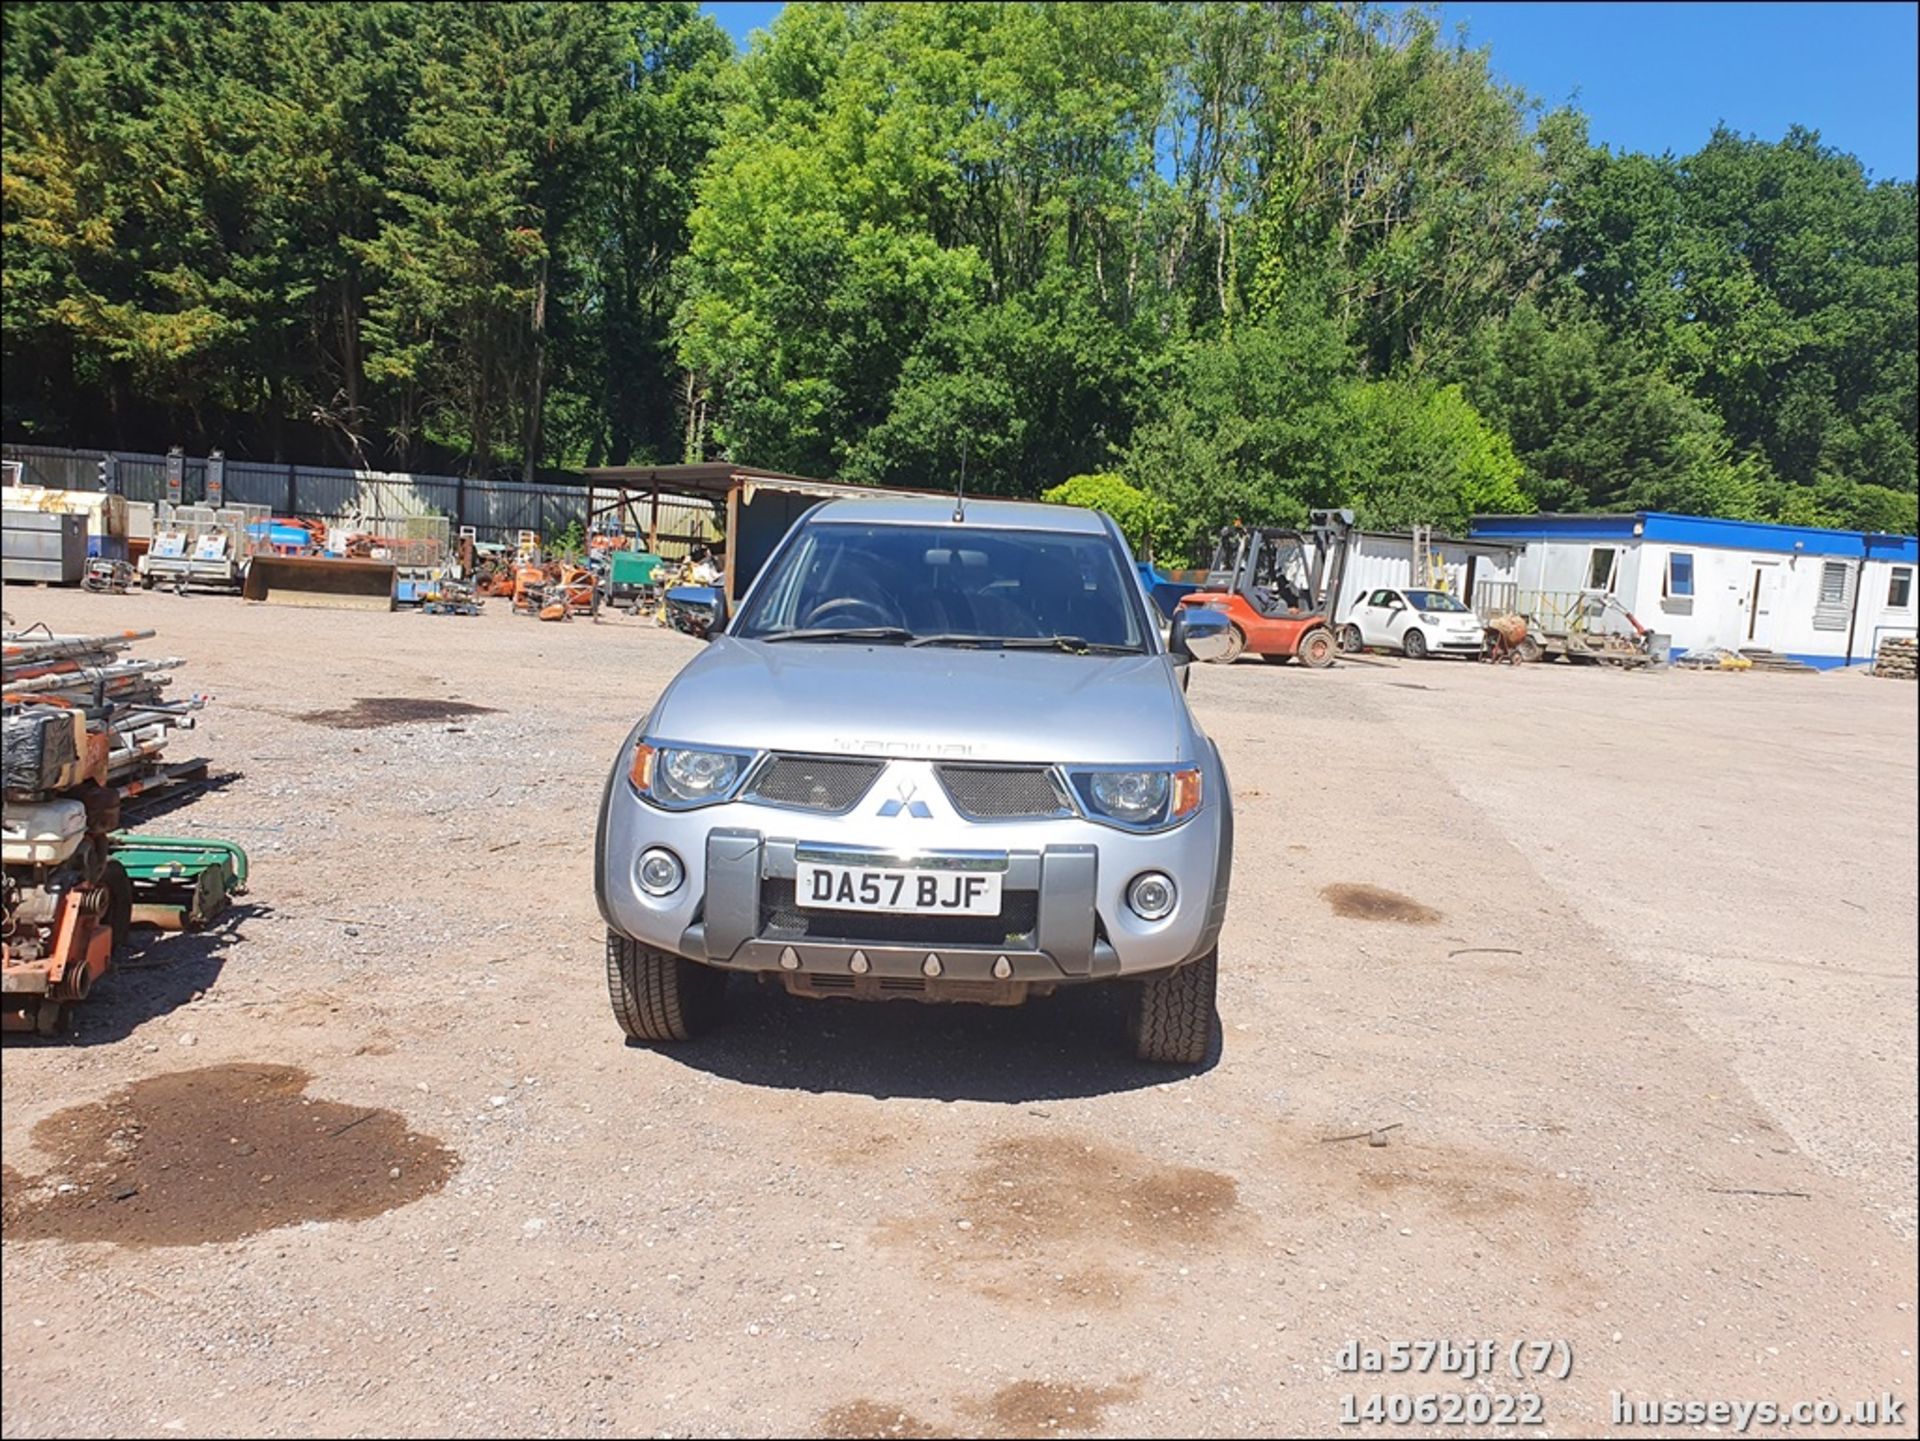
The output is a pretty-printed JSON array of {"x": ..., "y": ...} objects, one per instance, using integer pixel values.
[
  {"x": 945, "y": 584},
  {"x": 1433, "y": 600}
]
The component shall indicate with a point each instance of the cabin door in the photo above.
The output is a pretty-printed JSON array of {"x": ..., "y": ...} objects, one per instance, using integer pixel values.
[{"x": 1763, "y": 601}]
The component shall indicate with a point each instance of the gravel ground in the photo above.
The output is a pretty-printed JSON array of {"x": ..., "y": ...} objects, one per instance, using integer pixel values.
[{"x": 1649, "y": 948}]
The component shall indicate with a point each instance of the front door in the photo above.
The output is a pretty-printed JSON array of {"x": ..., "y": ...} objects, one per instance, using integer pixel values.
[
  {"x": 1376, "y": 618},
  {"x": 1762, "y": 602}
]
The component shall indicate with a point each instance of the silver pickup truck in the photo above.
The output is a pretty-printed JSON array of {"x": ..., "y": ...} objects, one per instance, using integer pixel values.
[{"x": 938, "y": 754}]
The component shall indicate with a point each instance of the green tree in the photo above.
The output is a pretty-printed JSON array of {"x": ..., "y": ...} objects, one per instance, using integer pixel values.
[
  {"x": 1409, "y": 452},
  {"x": 922, "y": 223},
  {"x": 1777, "y": 284},
  {"x": 1597, "y": 422},
  {"x": 1142, "y": 518},
  {"x": 1246, "y": 427}
]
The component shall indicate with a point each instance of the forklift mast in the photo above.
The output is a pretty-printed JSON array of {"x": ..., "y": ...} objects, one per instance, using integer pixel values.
[
  {"x": 1250, "y": 558},
  {"x": 1332, "y": 530}
]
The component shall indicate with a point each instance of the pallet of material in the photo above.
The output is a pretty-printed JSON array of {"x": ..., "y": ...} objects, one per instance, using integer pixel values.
[
  {"x": 1773, "y": 661},
  {"x": 1898, "y": 658}
]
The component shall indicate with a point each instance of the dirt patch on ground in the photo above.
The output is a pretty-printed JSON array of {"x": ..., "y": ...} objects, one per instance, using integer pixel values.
[
  {"x": 1038, "y": 1408},
  {"x": 1043, "y": 1188},
  {"x": 213, "y": 1155},
  {"x": 1057, "y": 1219},
  {"x": 860, "y": 1420},
  {"x": 1025, "y": 1408},
  {"x": 1371, "y": 903},
  {"x": 1427, "y": 1185},
  {"x": 372, "y": 712}
]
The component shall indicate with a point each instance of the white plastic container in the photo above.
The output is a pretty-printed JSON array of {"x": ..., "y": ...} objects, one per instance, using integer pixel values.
[{"x": 41, "y": 833}]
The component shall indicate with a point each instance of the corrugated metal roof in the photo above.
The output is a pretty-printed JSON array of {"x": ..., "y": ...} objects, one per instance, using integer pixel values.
[{"x": 716, "y": 478}]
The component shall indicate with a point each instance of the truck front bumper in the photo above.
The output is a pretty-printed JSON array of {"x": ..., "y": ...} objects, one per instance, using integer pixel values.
[{"x": 1064, "y": 915}]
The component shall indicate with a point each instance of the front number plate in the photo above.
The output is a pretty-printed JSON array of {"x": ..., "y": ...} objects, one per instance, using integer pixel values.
[{"x": 870, "y": 888}]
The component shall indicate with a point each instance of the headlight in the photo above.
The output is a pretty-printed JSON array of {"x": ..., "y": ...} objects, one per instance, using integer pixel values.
[
  {"x": 1426, "y": 619},
  {"x": 1139, "y": 799},
  {"x": 682, "y": 776},
  {"x": 1130, "y": 796}
]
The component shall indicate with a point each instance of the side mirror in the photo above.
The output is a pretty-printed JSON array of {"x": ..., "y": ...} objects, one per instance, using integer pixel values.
[
  {"x": 1200, "y": 633},
  {"x": 697, "y": 610}
]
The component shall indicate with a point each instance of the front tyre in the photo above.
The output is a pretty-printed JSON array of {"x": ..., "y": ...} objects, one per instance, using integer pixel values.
[
  {"x": 1414, "y": 644},
  {"x": 658, "y": 996},
  {"x": 1174, "y": 1013},
  {"x": 1236, "y": 646},
  {"x": 1317, "y": 648}
]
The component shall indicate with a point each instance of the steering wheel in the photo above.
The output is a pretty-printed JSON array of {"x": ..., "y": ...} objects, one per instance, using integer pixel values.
[{"x": 842, "y": 604}]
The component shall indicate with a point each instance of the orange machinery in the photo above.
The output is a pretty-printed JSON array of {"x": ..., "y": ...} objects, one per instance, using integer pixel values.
[
  {"x": 67, "y": 904},
  {"x": 1278, "y": 587}
]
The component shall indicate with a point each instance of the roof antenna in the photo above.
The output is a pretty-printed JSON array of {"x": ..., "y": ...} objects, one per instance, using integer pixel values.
[{"x": 960, "y": 494}]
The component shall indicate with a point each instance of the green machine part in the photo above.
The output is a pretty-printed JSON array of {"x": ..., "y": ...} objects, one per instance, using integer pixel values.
[
  {"x": 633, "y": 567},
  {"x": 180, "y": 882}
]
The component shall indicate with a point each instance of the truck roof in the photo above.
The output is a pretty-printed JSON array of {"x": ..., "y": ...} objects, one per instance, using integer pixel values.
[{"x": 983, "y": 514}]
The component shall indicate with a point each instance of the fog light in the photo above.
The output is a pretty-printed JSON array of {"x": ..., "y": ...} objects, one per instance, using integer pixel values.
[
  {"x": 1151, "y": 896},
  {"x": 660, "y": 872}
]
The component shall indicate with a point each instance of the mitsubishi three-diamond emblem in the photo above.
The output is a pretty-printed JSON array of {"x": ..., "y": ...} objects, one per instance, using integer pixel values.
[{"x": 903, "y": 801}]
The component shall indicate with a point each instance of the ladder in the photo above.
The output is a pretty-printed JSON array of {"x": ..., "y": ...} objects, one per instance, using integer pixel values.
[{"x": 1423, "y": 557}]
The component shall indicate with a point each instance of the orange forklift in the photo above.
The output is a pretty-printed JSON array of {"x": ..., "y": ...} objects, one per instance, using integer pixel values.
[{"x": 1278, "y": 588}]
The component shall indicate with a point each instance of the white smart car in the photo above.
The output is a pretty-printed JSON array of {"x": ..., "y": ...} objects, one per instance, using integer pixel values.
[{"x": 1417, "y": 623}]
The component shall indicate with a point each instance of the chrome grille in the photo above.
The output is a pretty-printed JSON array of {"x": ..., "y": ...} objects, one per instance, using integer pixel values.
[
  {"x": 813, "y": 784},
  {"x": 997, "y": 793}
]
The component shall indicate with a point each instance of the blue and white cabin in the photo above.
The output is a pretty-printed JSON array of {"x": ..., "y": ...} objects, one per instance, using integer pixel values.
[{"x": 1823, "y": 597}]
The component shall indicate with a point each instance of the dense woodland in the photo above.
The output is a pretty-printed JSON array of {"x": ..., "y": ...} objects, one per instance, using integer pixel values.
[{"x": 1244, "y": 258}]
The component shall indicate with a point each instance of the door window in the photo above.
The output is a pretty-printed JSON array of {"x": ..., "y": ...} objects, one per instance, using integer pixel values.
[
  {"x": 1601, "y": 566},
  {"x": 1679, "y": 582}
]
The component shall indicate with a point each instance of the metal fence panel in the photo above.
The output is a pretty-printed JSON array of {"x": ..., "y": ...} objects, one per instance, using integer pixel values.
[{"x": 497, "y": 509}]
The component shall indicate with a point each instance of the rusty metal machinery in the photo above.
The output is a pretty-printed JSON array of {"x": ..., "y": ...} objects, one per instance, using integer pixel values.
[
  {"x": 84, "y": 727},
  {"x": 65, "y": 903}
]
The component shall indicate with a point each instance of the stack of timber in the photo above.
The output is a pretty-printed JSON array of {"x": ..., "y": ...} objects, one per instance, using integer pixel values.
[{"x": 1899, "y": 658}]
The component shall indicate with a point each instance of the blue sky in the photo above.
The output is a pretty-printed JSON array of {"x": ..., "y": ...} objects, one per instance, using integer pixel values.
[{"x": 1658, "y": 77}]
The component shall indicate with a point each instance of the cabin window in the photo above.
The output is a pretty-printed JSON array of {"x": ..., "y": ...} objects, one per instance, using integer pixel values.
[
  {"x": 1836, "y": 595},
  {"x": 1679, "y": 582},
  {"x": 1900, "y": 588},
  {"x": 1833, "y": 583},
  {"x": 1600, "y": 569}
]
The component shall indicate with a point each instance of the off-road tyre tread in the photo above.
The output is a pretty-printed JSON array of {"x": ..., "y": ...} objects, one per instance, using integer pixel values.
[{"x": 1174, "y": 1013}]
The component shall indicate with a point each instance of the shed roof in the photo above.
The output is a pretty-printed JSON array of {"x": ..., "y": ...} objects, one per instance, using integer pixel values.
[{"x": 713, "y": 479}]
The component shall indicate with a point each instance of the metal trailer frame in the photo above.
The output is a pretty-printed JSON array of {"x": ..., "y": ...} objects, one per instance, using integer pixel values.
[{"x": 196, "y": 545}]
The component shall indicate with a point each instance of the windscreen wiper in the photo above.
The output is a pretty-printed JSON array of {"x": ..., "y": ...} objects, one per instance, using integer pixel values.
[
  {"x": 1074, "y": 643},
  {"x": 828, "y": 632},
  {"x": 955, "y": 637}
]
